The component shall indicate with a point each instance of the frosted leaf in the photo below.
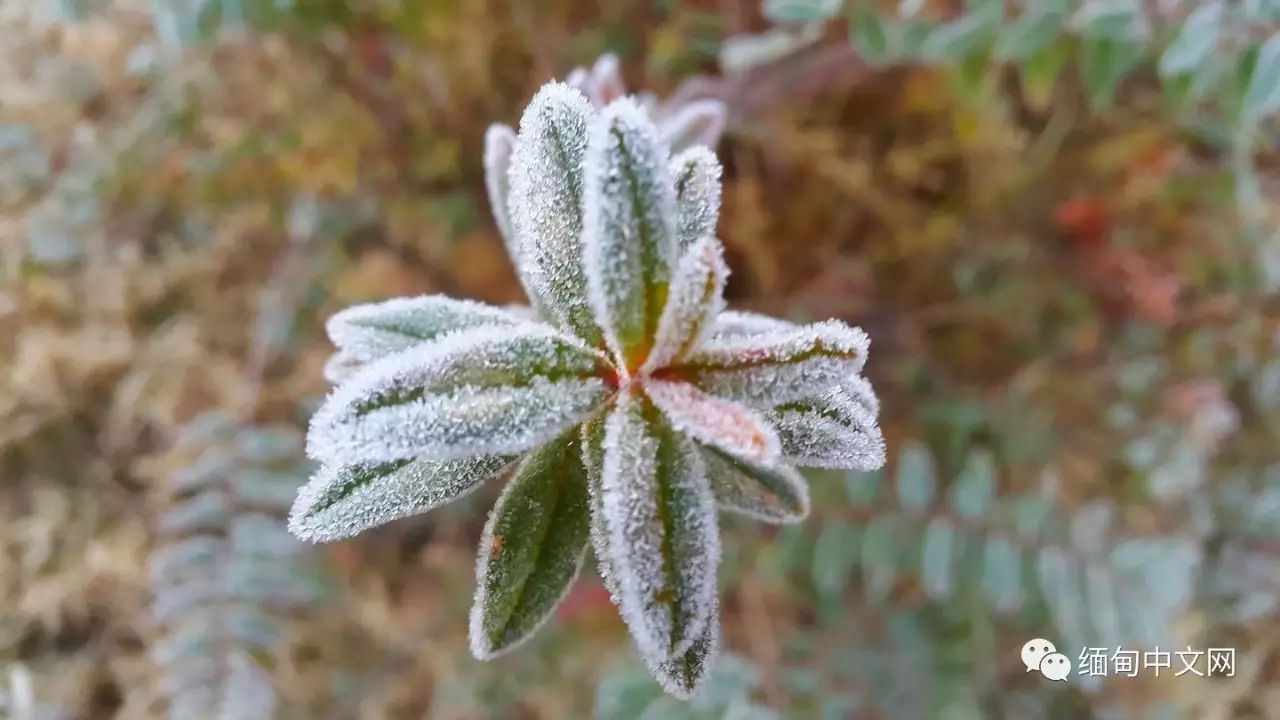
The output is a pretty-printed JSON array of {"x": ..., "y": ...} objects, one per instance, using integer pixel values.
[
  {"x": 833, "y": 431},
  {"x": 339, "y": 367},
  {"x": 499, "y": 143},
  {"x": 342, "y": 500},
  {"x": 683, "y": 676},
  {"x": 771, "y": 494},
  {"x": 735, "y": 323},
  {"x": 532, "y": 547},
  {"x": 367, "y": 332},
  {"x": 774, "y": 368},
  {"x": 546, "y": 204},
  {"x": 695, "y": 297},
  {"x": 629, "y": 228},
  {"x": 860, "y": 391},
  {"x": 696, "y": 174},
  {"x": 485, "y": 391},
  {"x": 603, "y": 83},
  {"x": 593, "y": 461},
  {"x": 578, "y": 79},
  {"x": 607, "y": 84},
  {"x": 720, "y": 423},
  {"x": 696, "y": 123},
  {"x": 663, "y": 544}
]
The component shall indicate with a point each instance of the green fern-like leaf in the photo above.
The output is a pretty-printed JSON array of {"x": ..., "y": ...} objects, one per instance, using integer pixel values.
[{"x": 225, "y": 569}]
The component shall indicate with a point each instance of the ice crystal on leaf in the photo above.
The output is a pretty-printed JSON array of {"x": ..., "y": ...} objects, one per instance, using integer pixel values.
[{"x": 623, "y": 408}]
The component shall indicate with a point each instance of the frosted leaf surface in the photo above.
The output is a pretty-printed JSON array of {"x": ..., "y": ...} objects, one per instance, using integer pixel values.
[
  {"x": 696, "y": 173},
  {"x": 339, "y": 367},
  {"x": 499, "y": 143},
  {"x": 546, "y": 204},
  {"x": 693, "y": 124},
  {"x": 860, "y": 391},
  {"x": 773, "y": 368},
  {"x": 606, "y": 83},
  {"x": 683, "y": 676},
  {"x": 485, "y": 391},
  {"x": 629, "y": 228},
  {"x": 663, "y": 544},
  {"x": 593, "y": 461},
  {"x": 532, "y": 547},
  {"x": 833, "y": 431},
  {"x": 735, "y": 323},
  {"x": 373, "y": 330},
  {"x": 695, "y": 297},
  {"x": 772, "y": 494},
  {"x": 720, "y": 423},
  {"x": 342, "y": 500}
]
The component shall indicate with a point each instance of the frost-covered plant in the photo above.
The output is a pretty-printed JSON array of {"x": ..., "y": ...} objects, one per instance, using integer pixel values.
[
  {"x": 624, "y": 415},
  {"x": 681, "y": 122}
]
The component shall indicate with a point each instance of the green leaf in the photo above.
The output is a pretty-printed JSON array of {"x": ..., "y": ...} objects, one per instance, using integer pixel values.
[
  {"x": 696, "y": 173},
  {"x": 545, "y": 197},
  {"x": 485, "y": 391},
  {"x": 1062, "y": 586},
  {"x": 342, "y": 500},
  {"x": 937, "y": 564},
  {"x": 771, "y": 494},
  {"x": 862, "y": 487},
  {"x": 364, "y": 333},
  {"x": 1262, "y": 92},
  {"x": 663, "y": 543},
  {"x": 834, "y": 557},
  {"x": 1194, "y": 43},
  {"x": 916, "y": 476},
  {"x": 868, "y": 35},
  {"x": 1104, "y": 63},
  {"x": 973, "y": 488},
  {"x": 1120, "y": 20},
  {"x": 959, "y": 39},
  {"x": 880, "y": 557},
  {"x": 684, "y": 676},
  {"x": 531, "y": 549},
  {"x": 629, "y": 229},
  {"x": 801, "y": 11},
  {"x": 1002, "y": 573},
  {"x": 1040, "y": 24},
  {"x": 593, "y": 461}
]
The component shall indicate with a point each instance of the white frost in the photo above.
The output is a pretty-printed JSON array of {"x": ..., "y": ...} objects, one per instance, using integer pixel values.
[
  {"x": 730, "y": 426},
  {"x": 694, "y": 299},
  {"x": 776, "y": 494},
  {"x": 487, "y": 390},
  {"x": 834, "y": 431},
  {"x": 663, "y": 544},
  {"x": 545, "y": 179},
  {"x": 367, "y": 332},
  {"x": 773, "y": 368},
  {"x": 695, "y": 123},
  {"x": 740, "y": 322},
  {"x": 683, "y": 676},
  {"x": 629, "y": 229},
  {"x": 342, "y": 500},
  {"x": 696, "y": 173},
  {"x": 499, "y": 143}
]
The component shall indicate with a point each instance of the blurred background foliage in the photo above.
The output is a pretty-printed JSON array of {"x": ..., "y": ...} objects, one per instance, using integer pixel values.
[{"x": 1056, "y": 220}]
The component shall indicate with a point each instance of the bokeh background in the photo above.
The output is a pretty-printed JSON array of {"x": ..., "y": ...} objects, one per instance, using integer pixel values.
[{"x": 1056, "y": 220}]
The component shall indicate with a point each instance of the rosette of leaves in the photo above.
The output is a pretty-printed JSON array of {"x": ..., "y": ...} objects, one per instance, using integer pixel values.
[{"x": 623, "y": 409}]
